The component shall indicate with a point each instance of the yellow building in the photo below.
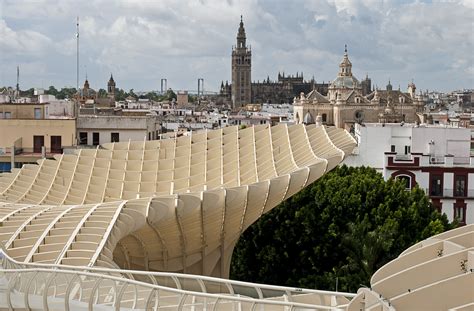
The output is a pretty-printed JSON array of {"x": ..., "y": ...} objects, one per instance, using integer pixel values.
[
  {"x": 24, "y": 111},
  {"x": 25, "y": 129}
]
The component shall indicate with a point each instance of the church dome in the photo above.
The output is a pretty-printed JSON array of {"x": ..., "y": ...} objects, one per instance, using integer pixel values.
[
  {"x": 344, "y": 78},
  {"x": 346, "y": 82}
]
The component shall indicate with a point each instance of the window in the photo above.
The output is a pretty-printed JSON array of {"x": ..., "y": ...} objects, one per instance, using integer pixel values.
[
  {"x": 8, "y": 115},
  {"x": 436, "y": 185},
  {"x": 37, "y": 113},
  {"x": 392, "y": 148},
  {"x": 95, "y": 139},
  {"x": 56, "y": 144},
  {"x": 38, "y": 143},
  {"x": 460, "y": 212},
  {"x": 324, "y": 118},
  {"x": 460, "y": 186},
  {"x": 406, "y": 181},
  {"x": 407, "y": 149},
  {"x": 1, "y": 115},
  {"x": 82, "y": 138},
  {"x": 5, "y": 167},
  {"x": 149, "y": 135},
  {"x": 114, "y": 137},
  {"x": 436, "y": 203}
]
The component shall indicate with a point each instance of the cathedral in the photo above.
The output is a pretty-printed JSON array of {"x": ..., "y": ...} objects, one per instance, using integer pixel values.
[
  {"x": 242, "y": 91},
  {"x": 346, "y": 104}
]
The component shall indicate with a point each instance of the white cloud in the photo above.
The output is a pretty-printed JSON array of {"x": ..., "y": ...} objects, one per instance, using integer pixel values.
[
  {"x": 144, "y": 41},
  {"x": 22, "y": 42}
]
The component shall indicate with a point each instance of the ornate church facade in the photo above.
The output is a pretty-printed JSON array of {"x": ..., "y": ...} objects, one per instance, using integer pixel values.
[{"x": 346, "y": 104}]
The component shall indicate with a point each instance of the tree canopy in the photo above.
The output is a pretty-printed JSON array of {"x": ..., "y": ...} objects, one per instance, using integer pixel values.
[
  {"x": 66, "y": 92},
  {"x": 120, "y": 94},
  {"x": 345, "y": 226}
]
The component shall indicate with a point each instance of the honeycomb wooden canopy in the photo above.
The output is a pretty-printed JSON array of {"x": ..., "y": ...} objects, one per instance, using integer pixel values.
[{"x": 166, "y": 205}]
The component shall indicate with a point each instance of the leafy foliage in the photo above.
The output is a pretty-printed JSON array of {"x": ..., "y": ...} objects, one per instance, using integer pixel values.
[
  {"x": 66, "y": 92},
  {"x": 102, "y": 93},
  {"x": 346, "y": 226}
]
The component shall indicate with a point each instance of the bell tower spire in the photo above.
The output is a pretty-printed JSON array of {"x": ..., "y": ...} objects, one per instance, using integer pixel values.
[
  {"x": 241, "y": 38},
  {"x": 241, "y": 92},
  {"x": 345, "y": 67}
]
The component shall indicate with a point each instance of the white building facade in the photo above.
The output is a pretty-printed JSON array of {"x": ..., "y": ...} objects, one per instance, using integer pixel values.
[
  {"x": 100, "y": 129},
  {"x": 436, "y": 158}
]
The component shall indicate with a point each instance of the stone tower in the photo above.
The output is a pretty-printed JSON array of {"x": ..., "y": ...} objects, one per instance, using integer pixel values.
[
  {"x": 366, "y": 85},
  {"x": 111, "y": 87},
  {"x": 241, "y": 69}
]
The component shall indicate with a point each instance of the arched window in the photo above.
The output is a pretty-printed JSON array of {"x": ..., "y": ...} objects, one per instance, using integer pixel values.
[{"x": 406, "y": 180}]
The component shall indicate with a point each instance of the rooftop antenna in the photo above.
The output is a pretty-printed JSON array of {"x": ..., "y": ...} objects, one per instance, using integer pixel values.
[
  {"x": 76, "y": 106},
  {"x": 17, "y": 81},
  {"x": 77, "y": 54}
]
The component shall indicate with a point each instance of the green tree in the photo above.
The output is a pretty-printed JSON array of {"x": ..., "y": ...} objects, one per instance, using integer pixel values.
[
  {"x": 151, "y": 95},
  {"x": 120, "y": 94},
  {"x": 28, "y": 93},
  {"x": 132, "y": 93},
  {"x": 170, "y": 94},
  {"x": 346, "y": 226},
  {"x": 102, "y": 93},
  {"x": 66, "y": 92},
  {"x": 192, "y": 98},
  {"x": 52, "y": 91}
]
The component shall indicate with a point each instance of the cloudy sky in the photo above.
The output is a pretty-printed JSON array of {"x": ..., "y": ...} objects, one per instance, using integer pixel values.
[{"x": 143, "y": 41}]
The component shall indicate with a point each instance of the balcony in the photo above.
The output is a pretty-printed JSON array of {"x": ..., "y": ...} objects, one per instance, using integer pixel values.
[
  {"x": 450, "y": 193},
  {"x": 403, "y": 157}
]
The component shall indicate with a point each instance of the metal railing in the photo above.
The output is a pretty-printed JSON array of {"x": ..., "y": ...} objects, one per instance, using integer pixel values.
[
  {"x": 461, "y": 160},
  {"x": 451, "y": 193},
  {"x": 30, "y": 285},
  {"x": 437, "y": 159}
]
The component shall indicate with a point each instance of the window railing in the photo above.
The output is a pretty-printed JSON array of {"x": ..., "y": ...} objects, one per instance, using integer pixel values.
[
  {"x": 461, "y": 160},
  {"x": 451, "y": 193},
  {"x": 436, "y": 159},
  {"x": 38, "y": 151}
]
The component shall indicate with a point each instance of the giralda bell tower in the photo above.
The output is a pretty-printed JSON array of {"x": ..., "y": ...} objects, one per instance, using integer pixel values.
[{"x": 241, "y": 70}]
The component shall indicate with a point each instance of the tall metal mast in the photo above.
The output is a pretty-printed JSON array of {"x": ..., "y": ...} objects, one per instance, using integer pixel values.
[
  {"x": 77, "y": 55},
  {"x": 76, "y": 106},
  {"x": 17, "y": 93}
]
